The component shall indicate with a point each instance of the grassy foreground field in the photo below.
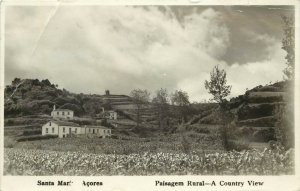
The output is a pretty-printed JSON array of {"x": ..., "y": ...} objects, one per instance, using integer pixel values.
[{"x": 251, "y": 162}]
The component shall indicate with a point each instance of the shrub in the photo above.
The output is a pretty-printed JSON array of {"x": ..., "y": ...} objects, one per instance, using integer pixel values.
[
  {"x": 9, "y": 122},
  {"x": 203, "y": 130},
  {"x": 245, "y": 132},
  {"x": 285, "y": 126},
  {"x": 124, "y": 132},
  {"x": 9, "y": 142},
  {"x": 185, "y": 145},
  {"x": 238, "y": 145},
  {"x": 264, "y": 135},
  {"x": 105, "y": 123},
  {"x": 114, "y": 137},
  {"x": 32, "y": 132},
  {"x": 36, "y": 137}
]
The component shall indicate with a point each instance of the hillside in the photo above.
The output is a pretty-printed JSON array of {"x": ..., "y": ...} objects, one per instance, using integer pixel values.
[
  {"x": 259, "y": 103},
  {"x": 254, "y": 111},
  {"x": 31, "y": 101},
  {"x": 34, "y": 97}
]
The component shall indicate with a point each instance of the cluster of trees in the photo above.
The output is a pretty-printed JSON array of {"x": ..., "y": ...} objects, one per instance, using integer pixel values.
[
  {"x": 179, "y": 101},
  {"x": 285, "y": 126},
  {"x": 162, "y": 103}
]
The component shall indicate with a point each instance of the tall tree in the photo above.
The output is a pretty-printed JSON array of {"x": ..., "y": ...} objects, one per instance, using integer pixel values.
[
  {"x": 288, "y": 44},
  {"x": 139, "y": 97},
  {"x": 285, "y": 113},
  {"x": 161, "y": 103},
  {"x": 181, "y": 99},
  {"x": 217, "y": 86}
]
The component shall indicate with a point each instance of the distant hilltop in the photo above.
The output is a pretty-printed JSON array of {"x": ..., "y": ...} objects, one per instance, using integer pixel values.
[{"x": 33, "y": 96}]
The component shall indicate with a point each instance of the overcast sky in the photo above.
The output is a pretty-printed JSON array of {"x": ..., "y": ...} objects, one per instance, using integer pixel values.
[{"x": 89, "y": 49}]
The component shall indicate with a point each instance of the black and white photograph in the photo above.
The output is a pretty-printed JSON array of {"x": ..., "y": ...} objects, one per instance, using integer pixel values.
[{"x": 149, "y": 90}]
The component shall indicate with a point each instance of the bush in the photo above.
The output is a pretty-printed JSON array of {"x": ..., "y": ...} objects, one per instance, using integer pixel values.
[
  {"x": 36, "y": 137},
  {"x": 203, "y": 130},
  {"x": 264, "y": 135},
  {"x": 114, "y": 137},
  {"x": 285, "y": 126},
  {"x": 185, "y": 145},
  {"x": 9, "y": 142},
  {"x": 245, "y": 132},
  {"x": 9, "y": 122},
  {"x": 105, "y": 123},
  {"x": 256, "y": 111},
  {"x": 32, "y": 132},
  {"x": 238, "y": 145}
]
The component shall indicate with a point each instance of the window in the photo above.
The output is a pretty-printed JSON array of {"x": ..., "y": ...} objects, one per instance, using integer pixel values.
[
  {"x": 46, "y": 130},
  {"x": 57, "y": 113},
  {"x": 63, "y": 113},
  {"x": 50, "y": 123},
  {"x": 68, "y": 113},
  {"x": 75, "y": 130},
  {"x": 89, "y": 130},
  {"x": 52, "y": 129},
  {"x": 64, "y": 130}
]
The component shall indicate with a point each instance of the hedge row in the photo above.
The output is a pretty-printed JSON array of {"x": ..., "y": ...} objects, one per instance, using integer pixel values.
[{"x": 36, "y": 137}]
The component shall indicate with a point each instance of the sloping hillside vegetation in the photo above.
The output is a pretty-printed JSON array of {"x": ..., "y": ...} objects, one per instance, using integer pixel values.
[
  {"x": 256, "y": 110},
  {"x": 30, "y": 101},
  {"x": 34, "y": 97}
]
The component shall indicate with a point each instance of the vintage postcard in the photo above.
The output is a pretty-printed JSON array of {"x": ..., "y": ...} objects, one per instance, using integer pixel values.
[{"x": 149, "y": 95}]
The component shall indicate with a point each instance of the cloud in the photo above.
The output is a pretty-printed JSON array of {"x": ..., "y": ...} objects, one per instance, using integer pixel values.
[
  {"x": 258, "y": 73},
  {"x": 242, "y": 77},
  {"x": 90, "y": 49}
]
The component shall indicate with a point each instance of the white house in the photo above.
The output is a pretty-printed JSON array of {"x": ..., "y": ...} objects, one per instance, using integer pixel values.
[
  {"x": 112, "y": 115},
  {"x": 99, "y": 131},
  {"x": 67, "y": 129},
  {"x": 60, "y": 128},
  {"x": 62, "y": 113}
]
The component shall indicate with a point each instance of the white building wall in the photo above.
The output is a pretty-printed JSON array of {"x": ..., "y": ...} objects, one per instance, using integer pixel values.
[
  {"x": 99, "y": 132},
  {"x": 56, "y": 114},
  {"x": 66, "y": 131},
  {"x": 52, "y": 129}
]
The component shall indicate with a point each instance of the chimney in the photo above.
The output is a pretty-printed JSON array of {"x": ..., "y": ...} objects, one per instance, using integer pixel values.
[
  {"x": 54, "y": 107},
  {"x": 107, "y": 92}
]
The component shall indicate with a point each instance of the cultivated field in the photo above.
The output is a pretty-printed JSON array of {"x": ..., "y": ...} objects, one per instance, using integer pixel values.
[{"x": 252, "y": 162}]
